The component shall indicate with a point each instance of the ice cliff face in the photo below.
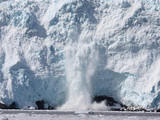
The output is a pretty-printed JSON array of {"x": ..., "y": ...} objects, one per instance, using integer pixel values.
[{"x": 67, "y": 51}]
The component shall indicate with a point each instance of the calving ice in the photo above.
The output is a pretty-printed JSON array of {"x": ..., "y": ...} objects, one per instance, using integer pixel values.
[{"x": 64, "y": 53}]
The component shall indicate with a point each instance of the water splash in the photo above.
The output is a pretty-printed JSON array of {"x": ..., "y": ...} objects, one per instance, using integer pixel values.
[{"x": 81, "y": 62}]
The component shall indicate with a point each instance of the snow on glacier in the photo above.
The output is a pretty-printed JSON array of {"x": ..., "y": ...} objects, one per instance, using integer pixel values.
[{"x": 67, "y": 51}]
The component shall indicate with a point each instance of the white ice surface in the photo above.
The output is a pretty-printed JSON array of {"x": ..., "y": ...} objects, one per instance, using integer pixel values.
[{"x": 67, "y": 51}]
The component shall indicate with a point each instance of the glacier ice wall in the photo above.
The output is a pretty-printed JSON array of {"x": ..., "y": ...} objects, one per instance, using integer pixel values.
[{"x": 67, "y": 51}]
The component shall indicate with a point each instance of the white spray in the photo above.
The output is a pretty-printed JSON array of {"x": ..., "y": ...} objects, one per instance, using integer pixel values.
[{"x": 81, "y": 61}]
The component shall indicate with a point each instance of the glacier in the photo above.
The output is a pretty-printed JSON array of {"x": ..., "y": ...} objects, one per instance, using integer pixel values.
[{"x": 67, "y": 51}]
